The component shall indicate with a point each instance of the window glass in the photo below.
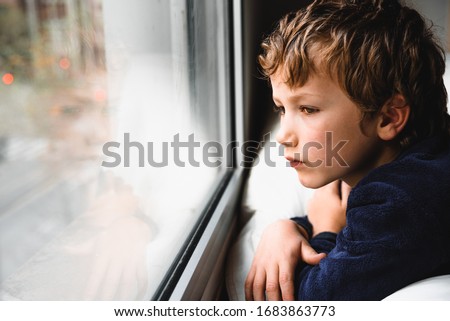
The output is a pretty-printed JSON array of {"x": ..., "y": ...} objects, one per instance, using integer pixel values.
[
  {"x": 114, "y": 122},
  {"x": 438, "y": 13}
]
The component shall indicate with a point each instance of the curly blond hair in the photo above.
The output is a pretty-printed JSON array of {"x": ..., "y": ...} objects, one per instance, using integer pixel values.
[{"x": 374, "y": 49}]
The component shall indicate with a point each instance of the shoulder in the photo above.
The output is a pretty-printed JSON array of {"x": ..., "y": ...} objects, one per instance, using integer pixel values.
[
  {"x": 408, "y": 194},
  {"x": 419, "y": 174}
]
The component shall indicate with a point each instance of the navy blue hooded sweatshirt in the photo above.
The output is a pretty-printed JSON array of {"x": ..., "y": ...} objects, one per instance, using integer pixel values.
[{"x": 397, "y": 233}]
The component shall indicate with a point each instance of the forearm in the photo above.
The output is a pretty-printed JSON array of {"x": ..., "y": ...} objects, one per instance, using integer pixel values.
[
  {"x": 326, "y": 227},
  {"x": 322, "y": 243},
  {"x": 354, "y": 270},
  {"x": 309, "y": 231}
]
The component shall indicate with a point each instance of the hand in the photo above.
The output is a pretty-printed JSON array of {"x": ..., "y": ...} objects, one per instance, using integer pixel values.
[
  {"x": 118, "y": 270},
  {"x": 328, "y": 206},
  {"x": 118, "y": 266},
  {"x": 282, "y": 245}
]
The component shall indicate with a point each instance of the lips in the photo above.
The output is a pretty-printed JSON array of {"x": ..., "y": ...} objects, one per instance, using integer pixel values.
[{"x": 293, "y": 162}]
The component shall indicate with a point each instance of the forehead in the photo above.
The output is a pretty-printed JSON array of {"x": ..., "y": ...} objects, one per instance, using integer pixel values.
[{"x": 316, "y": 85}]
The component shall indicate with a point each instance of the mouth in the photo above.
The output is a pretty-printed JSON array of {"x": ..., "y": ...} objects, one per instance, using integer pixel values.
[{"x": 294, "y": 163}]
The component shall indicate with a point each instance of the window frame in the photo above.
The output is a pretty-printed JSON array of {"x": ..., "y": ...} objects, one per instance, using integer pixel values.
[{"x": 197, "y": 270}]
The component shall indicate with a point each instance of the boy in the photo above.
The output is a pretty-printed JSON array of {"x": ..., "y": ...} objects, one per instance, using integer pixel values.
[{"x": 366, "y": 75}]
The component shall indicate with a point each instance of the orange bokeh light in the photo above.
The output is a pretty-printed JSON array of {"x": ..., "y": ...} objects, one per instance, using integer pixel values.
[
  {"x": 64, "y": 63},
  {"x": 8, "y": 78},
  {"x": 100, "y": 95}
]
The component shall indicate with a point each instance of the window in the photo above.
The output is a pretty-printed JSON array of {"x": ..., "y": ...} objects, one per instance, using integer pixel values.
[{"x": 115, "y": 120}]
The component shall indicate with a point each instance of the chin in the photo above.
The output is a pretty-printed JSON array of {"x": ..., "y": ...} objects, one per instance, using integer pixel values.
[{"x": 311, "y": 181}]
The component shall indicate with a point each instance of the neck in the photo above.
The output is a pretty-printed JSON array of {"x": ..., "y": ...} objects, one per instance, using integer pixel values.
[{"x": 384, "y": 155}]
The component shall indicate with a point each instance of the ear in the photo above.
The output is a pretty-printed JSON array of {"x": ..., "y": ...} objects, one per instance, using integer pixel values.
[{"x": 393, "y": 117}]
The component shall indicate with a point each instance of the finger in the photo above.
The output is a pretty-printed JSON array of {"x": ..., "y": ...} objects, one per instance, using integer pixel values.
[
  {"x": 259, "y": 286},
  {"x": 345, "y": 191},
  {"x": 129, "y": 283},
  {"x": 334, "y": 187},
  {"x": 142, "y": 278},
  {"x": 273, "y": 285},
  {"x": 310, "y": 256},
  {"x": 95, "y": 277},
  {"x": 248, "y": 285},
  {"x": 111, "y": 280},
  {"x": 286, "y": 278},
  {"x": 133, "y": 281}
]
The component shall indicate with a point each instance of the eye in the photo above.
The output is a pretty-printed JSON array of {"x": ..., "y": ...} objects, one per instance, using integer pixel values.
[
  {"x": 279, "y": 109},
  {"x": 308, "y": 110}
]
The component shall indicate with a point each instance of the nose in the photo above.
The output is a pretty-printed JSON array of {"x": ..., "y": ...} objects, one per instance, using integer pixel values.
[{"x": 286, "y": 135}]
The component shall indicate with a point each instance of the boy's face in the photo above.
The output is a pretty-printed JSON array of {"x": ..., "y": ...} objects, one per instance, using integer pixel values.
[{"x": 320, "y": 129}]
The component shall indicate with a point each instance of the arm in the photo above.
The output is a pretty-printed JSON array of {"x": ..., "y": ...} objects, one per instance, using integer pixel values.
[
  {"x": 385, "y": 246},
  {"x": 327, "y": 208},
  {"x": 284, "y": 245}
]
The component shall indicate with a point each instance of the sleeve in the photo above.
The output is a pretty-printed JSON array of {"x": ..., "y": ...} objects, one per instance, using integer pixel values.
[
  {"x": 323, "y": 242},
  {"x": 304, "y": 222},
  {"x": 373, "y": 255}
]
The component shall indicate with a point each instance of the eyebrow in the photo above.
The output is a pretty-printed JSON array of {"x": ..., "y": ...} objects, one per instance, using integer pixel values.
[
  {"x": 296, "y": 97},
  {"x": 276, "y": 100}
]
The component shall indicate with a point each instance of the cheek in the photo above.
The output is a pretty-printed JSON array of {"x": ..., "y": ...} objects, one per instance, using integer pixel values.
[
  {"x": 313, "y": 147},
  {"x": 342, "y": 145},
  {"x": 356, "y": 149}
]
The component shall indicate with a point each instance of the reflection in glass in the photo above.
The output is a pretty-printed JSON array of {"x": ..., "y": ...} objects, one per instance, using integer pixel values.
[{"x": 74, "y": 76}]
